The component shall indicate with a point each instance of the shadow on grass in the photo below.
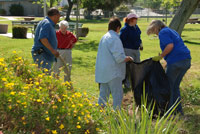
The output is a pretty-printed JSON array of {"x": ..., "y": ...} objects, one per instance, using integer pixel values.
[
  {"x": 191, "y": 29},
  {"x": 86, "y": 46},
  {"x": 191, "y": 42},
  {"x": 192, "y": 121},
  {"x": 95, "y": 21}
]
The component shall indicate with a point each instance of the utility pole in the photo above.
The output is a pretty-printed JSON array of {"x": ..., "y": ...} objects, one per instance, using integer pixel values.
[
  {"x": 77, "y": 18},
  {"x": 45, "y": 8}
]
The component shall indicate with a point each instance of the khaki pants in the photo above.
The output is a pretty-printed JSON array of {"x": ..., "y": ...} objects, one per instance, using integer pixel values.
[{"x": 66, "y": 54}]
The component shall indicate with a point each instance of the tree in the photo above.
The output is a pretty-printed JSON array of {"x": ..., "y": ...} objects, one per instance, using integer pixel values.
[
  {"x": 185, "y": 10},
  {"x": 50, "y": 3},
  {"x": 69, "y": 9}
]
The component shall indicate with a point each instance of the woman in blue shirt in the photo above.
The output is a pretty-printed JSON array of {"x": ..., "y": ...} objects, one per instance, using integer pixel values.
[
  {"x": 177, "y": 56},
  {"x": 131, "y": 40}
]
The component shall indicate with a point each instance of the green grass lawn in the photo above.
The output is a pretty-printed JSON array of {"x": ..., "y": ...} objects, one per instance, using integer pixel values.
[{"x": 84, "y": 58}]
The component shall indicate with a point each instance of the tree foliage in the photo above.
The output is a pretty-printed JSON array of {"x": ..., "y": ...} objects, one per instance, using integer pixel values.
[{"x": 50, "y": 3}]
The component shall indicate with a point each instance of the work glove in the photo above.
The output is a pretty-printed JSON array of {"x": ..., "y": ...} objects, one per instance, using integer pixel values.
[{"x": 156, "y": 58}]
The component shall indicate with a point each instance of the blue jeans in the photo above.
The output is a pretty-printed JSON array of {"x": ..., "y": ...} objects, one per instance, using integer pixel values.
[
  {"x": 41, "y": 61},
  {"x": 175, "y": 73},
  {"x": 115, "y": 88}
]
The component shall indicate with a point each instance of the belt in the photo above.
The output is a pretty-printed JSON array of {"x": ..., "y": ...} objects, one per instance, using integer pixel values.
[
  {"x": 63, "y": 48},
  {"x": 39, "y": 51}
]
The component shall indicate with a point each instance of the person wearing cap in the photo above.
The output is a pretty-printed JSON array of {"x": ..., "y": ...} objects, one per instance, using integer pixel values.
[
  {"x": 177, "y": 56},
  {"x": 44, "y": 51},
  {"x": 130, "y": 36},
  {"x": 110, "y": 65},
  {"x": 66, "y": 41}
]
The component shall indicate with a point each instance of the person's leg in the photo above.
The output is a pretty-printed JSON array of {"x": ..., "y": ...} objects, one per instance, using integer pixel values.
[
  {"x": 104, "y": 94},
  {"x": 183, "y": 67},
  {"x": 56, "y": 66},
  {"x": 126, "y": 82},
  {"x": 115, "y": 86},
  {"x": 175, "y": 73},
  {"x": 41, "y": 61},
  {"x": 68, "y": 59},
  {"x": 137, "y": 55}
]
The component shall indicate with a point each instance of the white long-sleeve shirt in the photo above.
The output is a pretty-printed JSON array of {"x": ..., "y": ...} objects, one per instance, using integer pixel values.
[{"x": 110, "y": 58}]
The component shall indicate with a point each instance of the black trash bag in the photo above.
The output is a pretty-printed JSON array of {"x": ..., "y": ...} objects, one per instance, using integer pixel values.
[{"x": 150, "y": 74}]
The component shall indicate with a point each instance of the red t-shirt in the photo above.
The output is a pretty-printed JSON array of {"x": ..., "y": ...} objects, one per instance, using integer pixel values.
[{"x": 65, "y": 41}]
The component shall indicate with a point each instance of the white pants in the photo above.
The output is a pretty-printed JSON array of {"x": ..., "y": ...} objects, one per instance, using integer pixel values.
[{"x": 66, "y": 54}]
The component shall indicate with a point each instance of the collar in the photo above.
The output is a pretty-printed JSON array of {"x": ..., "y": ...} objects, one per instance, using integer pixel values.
[
  {"x": 127, "y": 25},
  {"x": 113, "y": 32},
  {"x": 52, "y": 23}
]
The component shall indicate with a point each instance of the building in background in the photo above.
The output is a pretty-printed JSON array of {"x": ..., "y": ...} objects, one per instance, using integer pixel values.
[{"x": 30, "y": 9}]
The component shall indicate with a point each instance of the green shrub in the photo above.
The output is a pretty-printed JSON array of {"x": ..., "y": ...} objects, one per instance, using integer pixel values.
[
  {"x": 19, "y": 32},
  {"x": 2, "y": 12},
  {"x": 16, "y": 10},
  {"x": 33, "y": 102}
]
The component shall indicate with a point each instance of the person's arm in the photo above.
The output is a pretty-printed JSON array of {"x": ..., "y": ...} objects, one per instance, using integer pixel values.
[
  {"x": 167, "y": 50},
  {"x": 46, "y": 43}
]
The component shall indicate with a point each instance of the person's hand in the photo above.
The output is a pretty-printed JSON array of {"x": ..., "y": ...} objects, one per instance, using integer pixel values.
[
  {"x": 141, "y": 48},
  {"x": 128, "y": 58},
  {"x": 156, "y": 58},
  {"x": 55, "y": 53}
]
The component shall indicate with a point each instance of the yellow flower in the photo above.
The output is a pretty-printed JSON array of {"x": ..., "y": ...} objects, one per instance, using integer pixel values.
[
  {"x": 54, "y": 107},
  {"x": 12, "y": 93},
  {"x": 61, "y": 126},
  {"x": 54, "y": 132},
  {"x": 38, "y": 100},
  {"x": 37, "y": 83},
  {"x": 4, "y": 79},
  {"x": 80, "y": 105},
  {"x": 46, "y": 112},
  {"x": 82, "y": 113},
  {"x": 59, "y": 100},
  {"x": 10, "y": 107},
  {"x": 78, "y": 126},
  {"x": 1, "y": 59},
  {"x": 23, "y": 118},
  {"x": 14, "y": 52},
  {"x": 73, "y": 106},
  {"x": 47, "y": 118},
  {"x": 97, "y": 104},
  {"x": 79, "y": 118},
  {"x": 47, "y": 130},
  {"x": 24, "y": 123},
  {"x": 33, "y": 133},
  {"x": 97, "y": 129},
  {"x": 69, "y": 133}
]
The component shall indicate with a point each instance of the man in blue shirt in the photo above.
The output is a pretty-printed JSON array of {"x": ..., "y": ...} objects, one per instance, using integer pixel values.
[
  {"x": 110, "y": 65},
  {"x": 45, "y": 43}
]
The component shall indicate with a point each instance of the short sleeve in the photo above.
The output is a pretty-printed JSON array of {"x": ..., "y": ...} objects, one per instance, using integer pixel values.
[
  {"x": 165, "y": 39},
  {"x": 44, "y": 31}
]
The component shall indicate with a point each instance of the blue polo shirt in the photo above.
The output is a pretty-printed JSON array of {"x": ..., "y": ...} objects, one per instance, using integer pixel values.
[
  {"x": 45, "y": 29},
  {"x": 130, "y": 36},
  {"x": 179, "y": 51}
]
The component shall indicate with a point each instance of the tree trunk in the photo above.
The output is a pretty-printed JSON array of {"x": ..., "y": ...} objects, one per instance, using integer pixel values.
[
  {"x": 69, "y": 10},
  {"x": 185, "y": 10}
]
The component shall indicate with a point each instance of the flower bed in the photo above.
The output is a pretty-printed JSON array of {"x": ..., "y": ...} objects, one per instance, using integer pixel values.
[{"x": 34, "y": 102}]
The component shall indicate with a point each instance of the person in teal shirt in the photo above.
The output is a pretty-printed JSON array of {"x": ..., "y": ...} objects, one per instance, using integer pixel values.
[
  {"x": 110, "y": 65},
  {"x": 177, "y": 56}
]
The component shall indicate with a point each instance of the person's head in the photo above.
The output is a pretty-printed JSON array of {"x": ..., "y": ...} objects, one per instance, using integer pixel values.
[
  {"x": 54, "y": 14},
  {"x": 155, "y": 26},
  {"x": 131, "y": 19},
  {"x": 63, "y": 25},
  {"x": 114, "y": 24}
]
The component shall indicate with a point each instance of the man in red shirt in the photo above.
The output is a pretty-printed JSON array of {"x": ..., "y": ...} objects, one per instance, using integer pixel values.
[{"x": 66, "y": 41}]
